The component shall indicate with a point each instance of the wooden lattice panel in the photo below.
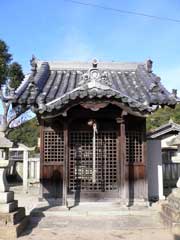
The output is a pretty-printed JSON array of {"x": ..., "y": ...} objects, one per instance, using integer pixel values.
[
  {"x": 81, "y": 161},
  {"x": 53, "y": 147},
  {"x": 134, "y": 146}
]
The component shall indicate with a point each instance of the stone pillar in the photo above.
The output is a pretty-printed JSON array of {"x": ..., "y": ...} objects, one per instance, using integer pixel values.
[
  {"x": 3, "y": 182},
  {"x": 38, "y": 170},
  {"x": 32, "y": 172},
  {"x": 25, "y": 171},
  {"x": 6, "y": 198},
  {"x": 13, "y": 219}
]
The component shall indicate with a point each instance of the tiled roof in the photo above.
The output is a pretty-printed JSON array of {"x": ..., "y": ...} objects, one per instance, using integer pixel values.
[
  {"x": 55, "y": 85},
  {"x": 170, "y": 127}
]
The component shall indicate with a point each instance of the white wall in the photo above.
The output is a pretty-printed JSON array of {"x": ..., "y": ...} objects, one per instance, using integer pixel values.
[
  {"x": 164, "y": 142},
  {"x": 154, "y": 163}
]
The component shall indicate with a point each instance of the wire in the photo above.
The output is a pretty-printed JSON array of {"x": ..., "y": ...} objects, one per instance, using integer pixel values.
[{"x": 124, "y": 11}]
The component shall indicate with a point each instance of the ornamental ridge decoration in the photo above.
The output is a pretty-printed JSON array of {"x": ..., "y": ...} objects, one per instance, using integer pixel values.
[{"x": 95, "y": 75}]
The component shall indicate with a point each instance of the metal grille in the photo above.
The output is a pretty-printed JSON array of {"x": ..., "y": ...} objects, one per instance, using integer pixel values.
[
  {"x": 134, "y": 146},
  {"x": 53, "y": 146},
  {"x": 81, "y": 161}
]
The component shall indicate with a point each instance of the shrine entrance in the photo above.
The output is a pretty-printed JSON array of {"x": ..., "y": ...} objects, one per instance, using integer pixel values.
[
  {"x": 81, "y": 161},
  {"x": 93, "y": 160},
  {"x": 98, "y": 156}
]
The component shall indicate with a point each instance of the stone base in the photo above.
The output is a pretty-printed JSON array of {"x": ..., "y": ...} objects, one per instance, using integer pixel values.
[
  {"x": 170, "y": 213},
  {"x": 176, "y": 229},
  {"x": 11, "y": 232},
  {"x": 133, "y": 203},
  {"x": 12, "y": 219},
  {"x": 6, "y": 197},
  {"x": 175, "y": 192},
  {"x": 8, "y": 207}
]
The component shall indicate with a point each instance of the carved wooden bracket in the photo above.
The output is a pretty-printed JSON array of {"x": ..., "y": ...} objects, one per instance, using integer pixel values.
[
  {"x": 121, "y": 119},
  {"x": 94, "y": 106}
]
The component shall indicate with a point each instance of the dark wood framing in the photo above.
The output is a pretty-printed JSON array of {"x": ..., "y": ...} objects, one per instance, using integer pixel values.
[
  {"x": 122, "y": 154},
  {"x": 130, "y": 147},
  {"x": 65, "y": 166}
]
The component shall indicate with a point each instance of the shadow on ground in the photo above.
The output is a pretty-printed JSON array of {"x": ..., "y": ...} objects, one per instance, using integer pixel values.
[
  {"x": 37, "y": 214},
  {"x": 52, "y": 195},
  {"x": 176, "y": 237}
]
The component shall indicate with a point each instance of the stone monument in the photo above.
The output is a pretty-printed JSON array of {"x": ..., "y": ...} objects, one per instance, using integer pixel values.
[
  {"x": 171, "y": 210},
  {"x": 12, "y": 218}
]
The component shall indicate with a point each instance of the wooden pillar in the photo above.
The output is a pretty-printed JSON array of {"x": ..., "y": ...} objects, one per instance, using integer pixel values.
[
  {"x": 41, "y": 159},
  {"x": 145, "y": 161},
  {"x": 122, "y": 156},
  {"x": 65, "y": 164}
]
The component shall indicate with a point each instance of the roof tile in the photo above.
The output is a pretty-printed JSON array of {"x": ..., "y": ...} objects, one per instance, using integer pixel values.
[{"x": 61, "y": 83}]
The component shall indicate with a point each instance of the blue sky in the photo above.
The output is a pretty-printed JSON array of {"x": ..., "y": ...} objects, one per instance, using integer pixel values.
[{"x": 60, "y": 30}]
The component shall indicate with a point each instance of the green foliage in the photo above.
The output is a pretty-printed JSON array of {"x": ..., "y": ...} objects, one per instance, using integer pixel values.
[
  {"x": 11, "y": 75},
  {"x": 15, "y": 74},
  {"x": 5, "y": 59},
  {"x": 27, "y": 133},
  {"x": 8, "y": 70},
  {"x": 162, "y": 116}
]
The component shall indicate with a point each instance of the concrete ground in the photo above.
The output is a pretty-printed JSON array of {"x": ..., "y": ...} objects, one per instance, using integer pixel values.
[
  {"x": 94, "y": 221},
  {"x": 96, "y": 228}
]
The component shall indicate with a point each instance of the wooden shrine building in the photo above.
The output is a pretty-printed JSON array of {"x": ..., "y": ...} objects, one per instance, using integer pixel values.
[{"x": 93, "y": 127}]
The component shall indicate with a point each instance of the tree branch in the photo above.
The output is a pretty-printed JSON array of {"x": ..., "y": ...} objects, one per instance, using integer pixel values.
[{"x": 5, "y": 108}]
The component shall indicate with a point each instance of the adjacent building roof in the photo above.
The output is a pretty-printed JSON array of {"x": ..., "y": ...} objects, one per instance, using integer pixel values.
[
  {"x": 164, "y": 130},
  {"x": 53, "y": 86}
]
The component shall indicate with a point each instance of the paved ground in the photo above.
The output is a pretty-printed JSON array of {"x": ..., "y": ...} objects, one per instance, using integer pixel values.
[
  {"x": 83, "y": 223},
  {"x": 96, "y": 228}
]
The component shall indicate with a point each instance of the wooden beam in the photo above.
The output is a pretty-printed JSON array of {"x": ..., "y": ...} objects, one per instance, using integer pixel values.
[
  {"x": 118, "y": 120},
  {"x": 125, "y": 107},
  {"x": 65, "y": 166},
  {"x": 145, "y": 160},
  {"x": 122, "y": 154},
  {"x": 41, "y": 157}
]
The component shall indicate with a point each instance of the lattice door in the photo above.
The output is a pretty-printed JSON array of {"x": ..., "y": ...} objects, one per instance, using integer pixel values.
[
  {"x": 53, "y": 147},
  {"x": 81, "y": 161},
  {"x": 134, "y": 147}
]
